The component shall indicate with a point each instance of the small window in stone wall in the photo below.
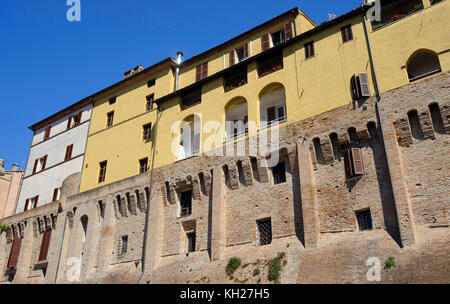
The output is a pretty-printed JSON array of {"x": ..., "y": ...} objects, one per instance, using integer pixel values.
[
  {"x": 186, "y": 203},
  {"x": 264, "y": 231},
  {"x": 279, "y": 173},
  {"x": 364, "y": 220},
  {"x": 191, "y": 241},
  {"x": 123, "y": 245}
]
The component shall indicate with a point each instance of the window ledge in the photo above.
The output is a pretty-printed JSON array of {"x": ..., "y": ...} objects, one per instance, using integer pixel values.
[{"x": 273, "y": 125}]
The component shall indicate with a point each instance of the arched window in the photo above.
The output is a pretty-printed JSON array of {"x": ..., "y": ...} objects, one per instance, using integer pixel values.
[
  {"x": 236, "y": 118},
  {"x": 84, "y": 223},
  {"x": 422, "y": 64},
  {"x": 272, "y": 105},
  {"x": 190, "y": 137}
]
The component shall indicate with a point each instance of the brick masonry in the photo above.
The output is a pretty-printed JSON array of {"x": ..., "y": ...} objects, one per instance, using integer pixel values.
[{"x": 313, "y": 213}]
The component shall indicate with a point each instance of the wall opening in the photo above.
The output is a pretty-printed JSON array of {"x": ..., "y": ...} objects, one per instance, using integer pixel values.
[
  {"x": 436, "y": 117},
  {"x": 414, "y": 124}
]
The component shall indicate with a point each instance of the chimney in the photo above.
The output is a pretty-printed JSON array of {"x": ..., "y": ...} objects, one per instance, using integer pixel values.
[
  {"x": 133, "y": 71},
  {"x": 177, "y": 73},
  {"x": 15, "y": 167}
]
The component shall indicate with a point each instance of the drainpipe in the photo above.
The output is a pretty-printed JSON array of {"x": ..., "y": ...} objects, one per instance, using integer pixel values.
[
  {"x": 177, "y": 71},
  {"x": 147, "y": 216},
  {"x": 377, "y": 88}
]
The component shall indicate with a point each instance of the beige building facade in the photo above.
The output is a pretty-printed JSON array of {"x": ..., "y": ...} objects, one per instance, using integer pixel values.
[{"x": 10, "y": 184}]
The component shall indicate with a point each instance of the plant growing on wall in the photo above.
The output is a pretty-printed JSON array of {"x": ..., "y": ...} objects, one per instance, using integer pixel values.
[
  {"x": 4, "y": 228},
  {"x": 232, "y": 266}
]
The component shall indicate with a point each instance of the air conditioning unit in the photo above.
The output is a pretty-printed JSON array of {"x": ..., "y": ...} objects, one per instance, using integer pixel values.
[{"x": 360, "y": 86}]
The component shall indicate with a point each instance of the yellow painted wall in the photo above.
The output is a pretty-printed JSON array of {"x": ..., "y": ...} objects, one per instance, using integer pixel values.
[
  {"x": 393, "y": 44},
  {"x": 122, "y": 145}
]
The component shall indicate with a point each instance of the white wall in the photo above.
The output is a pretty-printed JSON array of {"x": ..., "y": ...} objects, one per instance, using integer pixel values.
[{"x": 43, "y": 183}]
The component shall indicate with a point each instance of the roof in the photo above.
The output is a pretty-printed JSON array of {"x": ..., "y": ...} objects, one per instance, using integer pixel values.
[
  {"x": 304, "y": 35},
  {"x": 169, "y": 62}
]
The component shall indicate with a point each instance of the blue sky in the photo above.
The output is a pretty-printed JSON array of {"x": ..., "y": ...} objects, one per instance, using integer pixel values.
[{"x": 48, "y": 63}]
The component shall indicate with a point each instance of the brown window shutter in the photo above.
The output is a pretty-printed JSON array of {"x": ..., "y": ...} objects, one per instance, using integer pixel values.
[
  {"x": 265, "y": 42},
  {"x": 55, "y": 194},
  {"x": 349, "y": 164},
  {"x": 35, "y": 165},
  {"x": 288, "y": 30},
  {"x": 45, "y": 244},
  {"x": 36, "y": 200},
  {"x": 27, "y": 203},
  {"x": 204, "y": 70},
  {"x": 45, "y": 162},
  {"x": 232, "y": 57},
  {"x": 14, "y": 253},
  {"x": 246, "y": 50},
  {"x": 69, "y": 122},
  {"x": 364, "y": 83},
  {"x": 271, "y": 114},
  {"x": 357, "y": 161},
  {"x": 79, "y": 118},
  {"x": 355, "y": 89},
  {"x": 198, "y": 73},
  {"x": 47, "y": 133}
]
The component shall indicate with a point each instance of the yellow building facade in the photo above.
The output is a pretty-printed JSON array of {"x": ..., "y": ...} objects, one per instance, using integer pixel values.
[{"x": 283, "y": 71}]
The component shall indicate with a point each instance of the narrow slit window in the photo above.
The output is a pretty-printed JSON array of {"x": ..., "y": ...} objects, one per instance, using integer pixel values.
[
  {"x": 124, "y": 245},
  {"x": 279, "y": 173},
  {"x": 264, "y": 232}
]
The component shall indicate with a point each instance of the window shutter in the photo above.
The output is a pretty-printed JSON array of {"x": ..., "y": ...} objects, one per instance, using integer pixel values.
[
  {"x": 55, "y": 194},
  {"x": 232, "y": 57},
  {"x": 79, "y": 118},
  {"x": 288, "y": 31},
  {"x": 14, "y": 253},
  {"x": 204, "y": 70},
  {"x": 198, "y": 73},
  {"x": 246, "y": 50},
  {"x": 265, "y": 42},
  {"x": 45, "y": 245},
  {"x": 47, "y": 133},
  {"x": 45, "y": 162},
  {"x": 27, "y": 203},
  {"x": 35, "y": 165},
  {"x": 271, "y": 114},
  {"x": 36, "y": 200},
  {"x": 357, "y": 161},
  {"x": 355, "y": 89},
  {"x": 349, "y": 164},
  {"x": 69, "y": 122},
  {"x": 364, "y": 83}
]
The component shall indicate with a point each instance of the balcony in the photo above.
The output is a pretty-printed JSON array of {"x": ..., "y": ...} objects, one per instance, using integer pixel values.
[
  {"x": 235, "y": 78},
  {"x": 191, "y": 99},
  {"x": 270, "y": 63},
  {"x": 393, "y": 10}
]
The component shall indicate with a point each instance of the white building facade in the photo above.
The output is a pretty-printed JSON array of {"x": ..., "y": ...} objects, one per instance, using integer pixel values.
[{"x": 57, "y": 152}]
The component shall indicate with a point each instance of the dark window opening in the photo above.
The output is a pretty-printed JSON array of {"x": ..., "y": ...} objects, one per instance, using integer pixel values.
[
  {"x": 347, "y": 34},
  {"x": 110, "y": 119},
  {"x": 436, "y": 117},
  {"x": 278, "y": 37},
  {"x": 264, "y": 232},
  {"x": 112, "y": 100},
  {"x": 149, "y": 103},
  {"x": 151, "y": 83},
  {"x": 393, "y": 10},
  {"x": 143, "y": 165},
  {"x": 364, "y": 220},
  {"x": 235, "y": 78},
  {"x": 279, "y": 173},
  {"x": 186, "y": 203},
  {"x": 124, "y": 244},
  {"x": 270, "y": 63},
  {"x": 191, "y": 99},
  {"x": 423, "y": 64},
  {"x": 102, "y": 173},
  {"x": 414, "y": 124},
  {"x": 101, "y": 208},
  {"x": 147, "y": 131},
  {"x": 69, "y": 150},
  {"x": 191, "y": 241},
  {"x": 309, "y": 50}
]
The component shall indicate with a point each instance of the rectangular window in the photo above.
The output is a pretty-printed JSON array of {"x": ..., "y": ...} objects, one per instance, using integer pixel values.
[
  {"x": 39, "y": 164},
  {"x": 186, "y": 203},
  {"x": 278, "y": 37},
  {"x": 364, "y": 220},
  {"x": 151, "y": 83},
  {"x": 191, "y": 242},
  {"x": 74, "y": 121},
  {"x": 34, "y": 201},
  {"x": 149, "y": 103},
  {"x": 47, "y": 133},
  {"x": 102, "y": 173},
  {"x": 279, "y": 173},
  {"x": 45, "y": 245},
  {"x": 68, "y": 155},
  {"x": 235, "y": 78},
  {"x": 309, "y": 50},
  {"x": 264, "y": 231},
  {"x": 191, "y": 98},
  {"x": 269, "y": 63},
  {"x": 110, "y": 119},
  {"x": 55, "y": 194},
  {"x": 124, "y": 244},
  {"x": 347, "y": 34},
  {"x": 147, "y": 131},
  {"x": 201, "y": 71},
  {"x": 27, "y": 204},
  {"x": 275, "y": 115},
  {"x": 353, "y": 163},
  {"x": 143, "y": 165},
  {"x": 112, "y": 100}
]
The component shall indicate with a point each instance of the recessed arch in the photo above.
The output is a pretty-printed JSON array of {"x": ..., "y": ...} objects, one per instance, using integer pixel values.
[
  {"x": 272, "y": 102},
  {"x": 236, "y": 118},
  {"x": 422, "y": 63},
  {"x": 190, "y": 133}
]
